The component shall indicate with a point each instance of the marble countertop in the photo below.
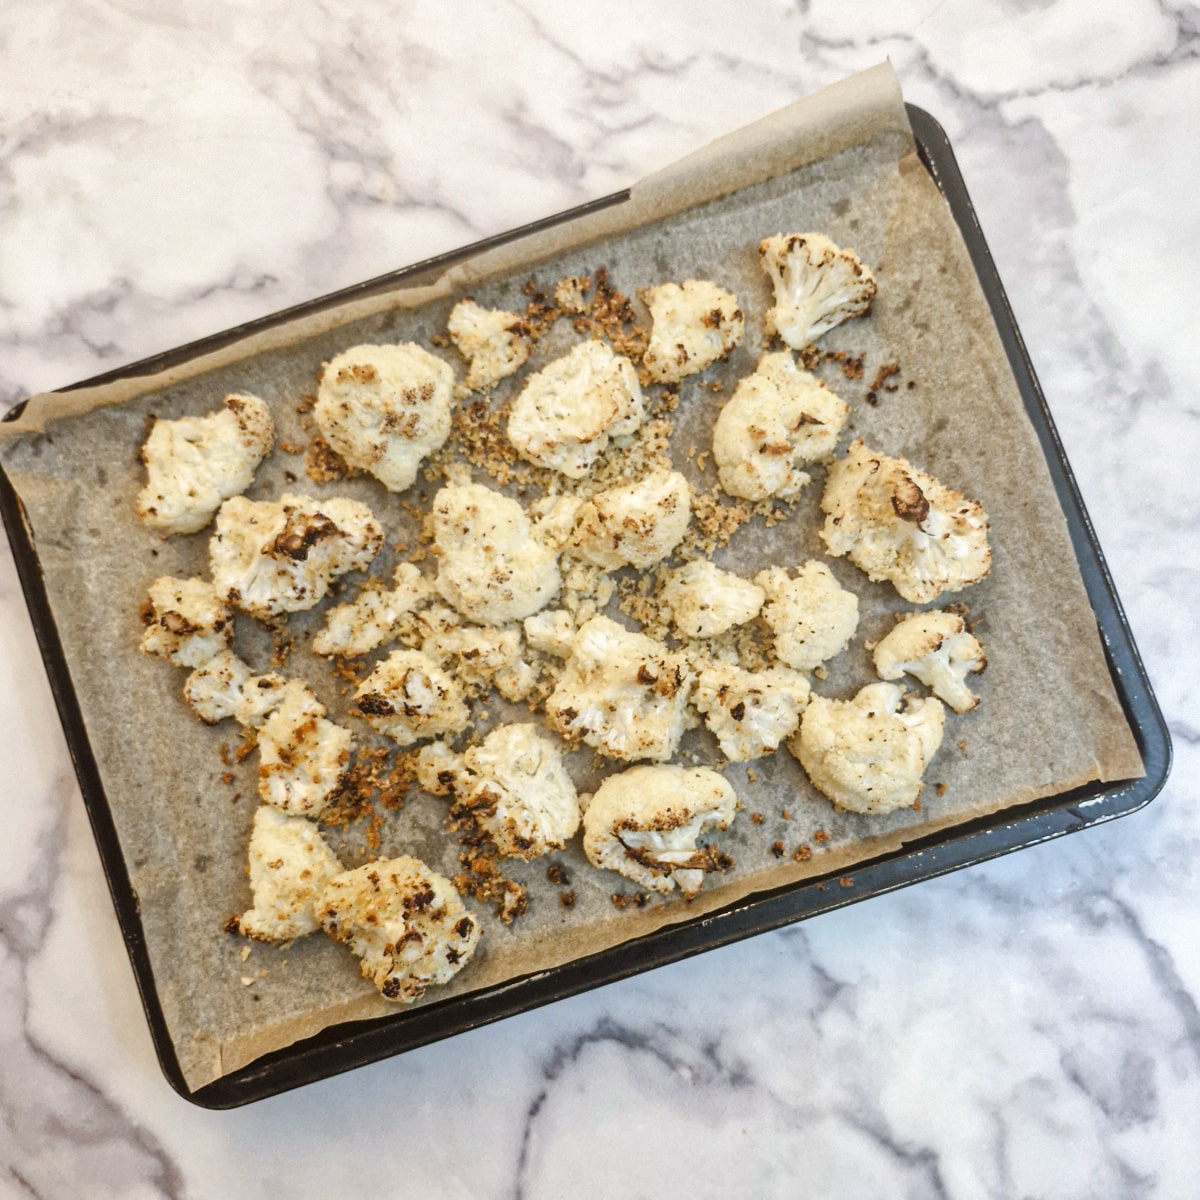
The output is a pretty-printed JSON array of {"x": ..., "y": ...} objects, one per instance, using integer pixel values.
[{"x": 1030, "y": 1027}]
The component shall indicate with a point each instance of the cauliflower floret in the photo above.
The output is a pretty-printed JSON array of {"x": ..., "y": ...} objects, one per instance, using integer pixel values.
[
  {"x": 623, "y": 693},
  {"x": 187, "y": 623},
  {"x": 484, "y": 656},
  {"x": 517, "y": 788},
  {"x": 551, "y": 632},
  {"x": 495, "y": 343},
  {"x": 490, "y": 566},
  {"x": 866, "y": 754},
  {"x": 290, "y": 864},
  {"x": 777, "y": 420},
  {"x": 554, "y": 519},
  {"x": 372, "y": 619},
  {"x": 695, "y": 323},
  {"x": 437, "y": 767},
  {"x": 409, "y": 698},
  {"x": 213, "y": 691},
  {"x": 194, "y": 463},
  {"x": 817, "y": 286},
  {"x": 897, "y": 523},
  {"x": 272, "y": 557},
  {"x": 301, "y": 756},
  {"x": 635, "y": 525},
  {"x": 751, "y": 712},
  {"x": 384, "y": 408},
  {"x": 567, "y": 412},
  {"x": 706, "y": 601},
  {"x": 261, "y": 696},
  {"x": 937, "y": 649},
  {"x": 812, "y": 616},
  {"x": 645, "y": 822},
  {"x": 405, "y": 922}
]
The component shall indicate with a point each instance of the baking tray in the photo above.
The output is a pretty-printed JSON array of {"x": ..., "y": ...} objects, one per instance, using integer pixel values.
[{"x": 343, "y": 1047}]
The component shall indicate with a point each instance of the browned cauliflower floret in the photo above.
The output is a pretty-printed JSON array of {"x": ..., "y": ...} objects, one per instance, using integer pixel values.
[
  {"x": 695, "y": 323},
  {"x": 384, "y": 408},
  {"x": 495, "y": 343},
  {"x": 937, "y": 649},
  {"x": 567, "y": 412},
  {"x": 636, "y": 524},
  {"x": 195, "y": 463},
  {"x": 290, "y": 864},
  {"x": 187, "y": 623},
  {"x": 897, "y": 523},
  {"x": 645, "y": 824},
  {"x": 409, "y": 698},
  {"x": 706, "y": 602},
  {"x": 490, "y": 566},
  {"x": 213, "y": 691},
  {"x": 867, "y": 754},
  {"x": 405, "y": 922},
  {"x": 778, "y": 420},
  {"x": 373, "y": 617},
  {"x": 484, "y": 656},
  {"x": 271, "y": 557},
  {"x": 752, "y": 713},
  {"x": 817, "y": 286},
  {"x": 812, "y": 616}
]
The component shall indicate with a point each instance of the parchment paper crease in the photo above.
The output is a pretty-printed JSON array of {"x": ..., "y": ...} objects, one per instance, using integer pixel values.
[{"x": 842, "y": 162}]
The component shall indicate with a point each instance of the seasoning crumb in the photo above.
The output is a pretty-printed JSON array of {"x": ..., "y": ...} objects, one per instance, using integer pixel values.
[
  {"x": 941, "y": 789},
  {"x": 557, "y": 873},
  {"x": 819, "y": 835},
  {"x": 786, "y": 814},
  {"x": 777, "y": 849},
  {"x": 757, "y": 818},
  {"x": 846, "y": 881},
  {"x": 751, "y": 774},
  {"x": 802, "y": 853},
  {"x": 567, "y": 899}
]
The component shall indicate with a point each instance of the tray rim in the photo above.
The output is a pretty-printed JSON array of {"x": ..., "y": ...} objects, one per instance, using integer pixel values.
[{"x": 344, "y": 1047}]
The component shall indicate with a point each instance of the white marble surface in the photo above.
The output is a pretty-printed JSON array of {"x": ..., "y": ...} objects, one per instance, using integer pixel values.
[{"x": 1026, "y": 1028}]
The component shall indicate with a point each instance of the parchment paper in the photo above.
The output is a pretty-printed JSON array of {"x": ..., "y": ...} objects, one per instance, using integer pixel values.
[{"x": 841, "y": 162}]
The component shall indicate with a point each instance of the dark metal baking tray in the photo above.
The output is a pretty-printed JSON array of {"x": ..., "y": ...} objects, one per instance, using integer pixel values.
[{"x": 343, "y": 1047}]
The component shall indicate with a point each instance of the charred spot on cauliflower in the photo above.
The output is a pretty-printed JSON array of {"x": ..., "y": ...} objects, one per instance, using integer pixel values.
[
  {"x": 868, "y": 754},
  {"x": 373, "y": 618},
  {"x": 290, "y": 864},
  {"x": 812, "y": 616},
  {"x": 645, "y": 823},
  {"x": 567, "y": 412},
  {"x": 939, "y": 650},
  {"x": 187, "y": 622},
  {"x": 817, "y": 286},
  {"x": 636, "y": 524},
  {"x": 406, "y": 923},
  {"x": 272, "y": 557},
  {"x": 694, "y": 324},
  {"x": 490, "y": 566},
  {"x": 385, "y": 408},
  {"x": 622, "y": 693},
  {"x": 899, "y": 524},
  {"x": 779, "y": 419},
  {"x": 751, "y": 713},
  {"x": 195, "y": 463},
  {"x": 409, "y": 698},
  {"x": 495, "y": 343},
  {"x": 706, "y": 602}
]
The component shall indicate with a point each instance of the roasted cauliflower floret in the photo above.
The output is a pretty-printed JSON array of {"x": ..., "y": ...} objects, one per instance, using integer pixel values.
[
  {"x": 778, "y": 419},
  {"x": 495, "y": 343},
  {"x": 490, "y": 566},
  {"x": 385, "y": 408},
  {"x": 622, "y": 693},
  {"x": 483, "y": 657},
  {"x": 195, "y": 463},
  {"x": 279, "y": 556},
  {"x": 187, "y": 623},
  {"x": 812, "y": 616},
  {"x": 817, "y": 286},
  {"x": 867, "y": 754},
  {"x": 213, "y": 691},
  {"x": 899, "y": 524},
  {"x": 636, "y": 524},
  {"x": 552, "y": 632},
  {"x": 373, "y": 617},
  {"x": 645, "y": 823},
  {"x": 290, "y": 864},
  {"x": 695, "y": 323},
  {"x": 409, "y": 698},
  {"x": 937, "y": 649},
  {"x": 706, "y": 602},
  {"x": 517, "y": 788},
  {"x": 752, "y": 713},
  {"x": 301, "y": 756},
  {"x": 405, "y": 922},
  {"x": 567, "y": 412}
]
